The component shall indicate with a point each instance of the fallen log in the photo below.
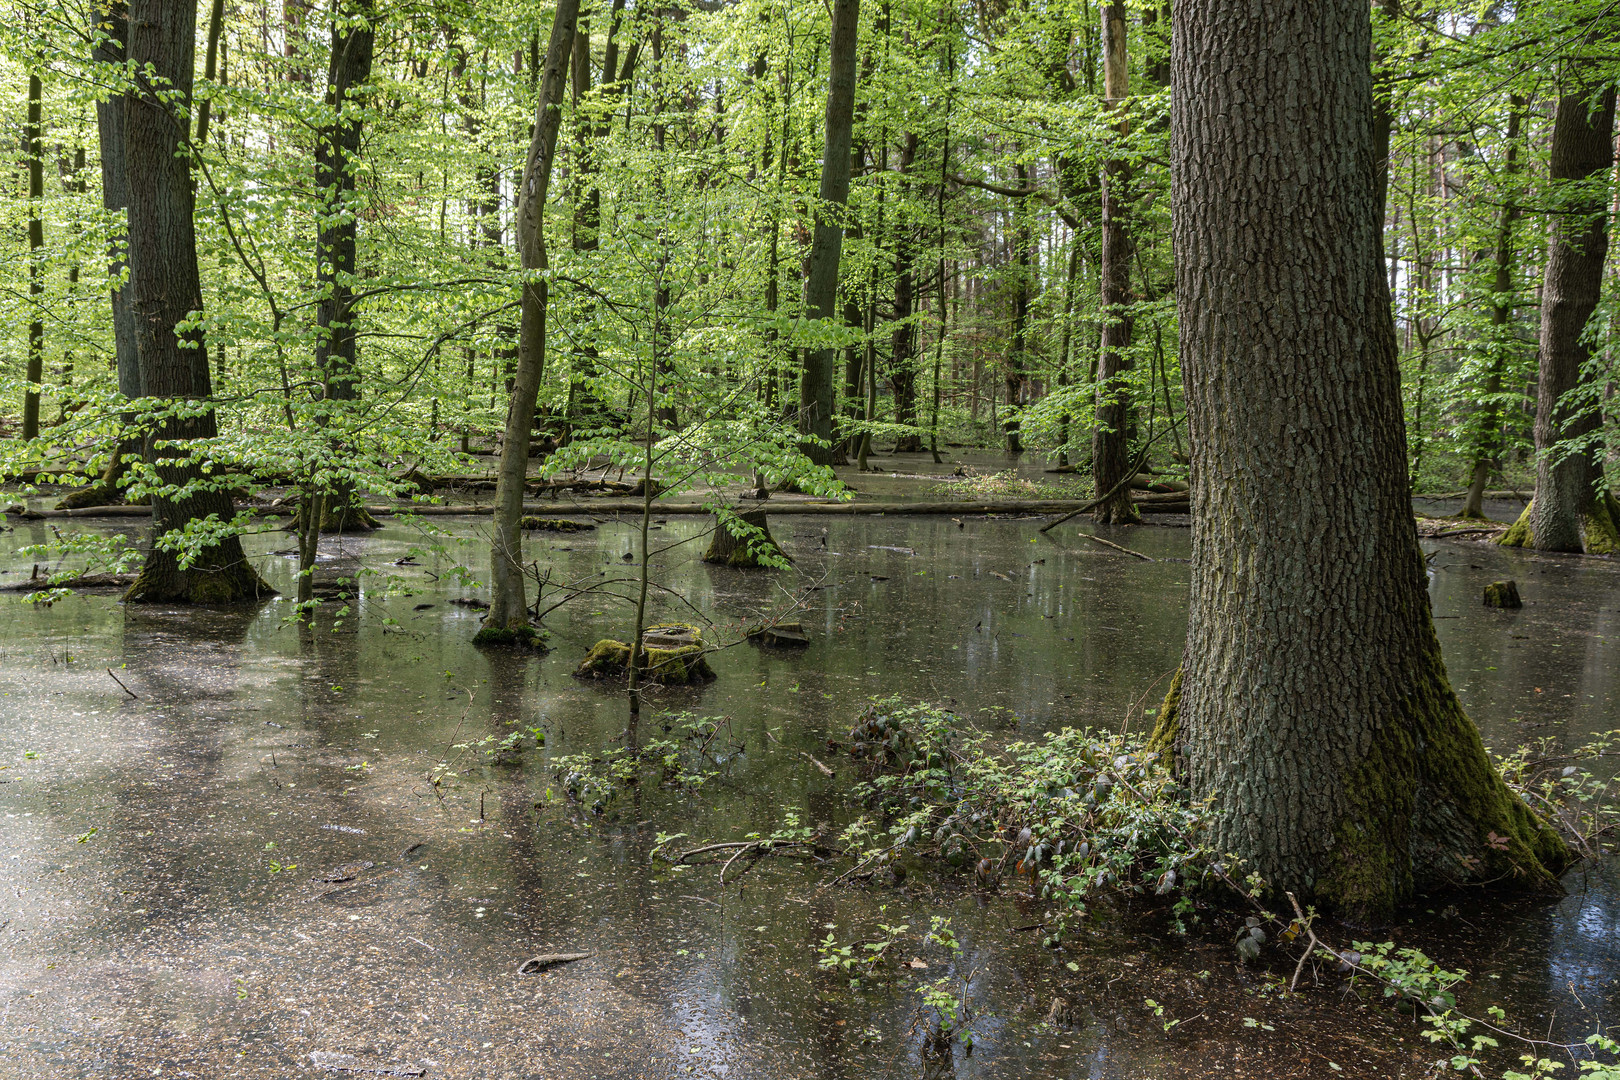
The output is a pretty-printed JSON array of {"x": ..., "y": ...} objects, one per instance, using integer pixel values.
[
  {"x": 86, "y": 581},
  {"x": 534, "y": 965}
]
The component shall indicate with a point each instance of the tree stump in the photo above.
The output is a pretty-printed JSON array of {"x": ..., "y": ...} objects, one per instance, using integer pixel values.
[
  {"x": 1503, "y": 594},
  {"x": 729, "y": 549},
  {"x": 671, "y": 652}
]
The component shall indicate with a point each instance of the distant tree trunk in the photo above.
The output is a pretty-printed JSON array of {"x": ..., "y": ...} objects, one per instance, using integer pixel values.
[
  {"x": 32, "y": 138},
  {"x": 903, "y": 339},
  {"x": 1017, "y": 372},
  {"x": 1312, "y": 709},
  {"x": 1111, "y": 443},
  {"x": 1487, "y": 426},
  {"x": 337, "y": 147},
  {"x": 164, "y": 291},
  {"x": 1573, "y": 509},
  {"x": 508, "y": 619},
  {"x": 817, "y": 391}
]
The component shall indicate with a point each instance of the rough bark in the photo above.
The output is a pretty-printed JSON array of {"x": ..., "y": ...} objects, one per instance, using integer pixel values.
[
  {"x": 1313, "y": 709},
  {"x": 1017, "y": 370},
  {"x": 337, "y": 146},
  {"x": 1487, "y": 426},
  {"x": 1111, "y": 442},
  {"x": 1572, "y": 509},
  {"x": 164, "y": 291},
  {"x": 508, "y": 618},
  {"x": 817, "y": 393}
]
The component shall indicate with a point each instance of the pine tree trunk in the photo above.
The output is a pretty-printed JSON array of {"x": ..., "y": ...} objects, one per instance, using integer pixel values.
[
  {"x": 1111, "y": 442},
  {"x": 817, "y": 393},
  {"x": 1572, "y": 509},
  {"x": 164, "y": 290},
  {"x": 1313, "y": 709},
  {"x": 508, "y": 618}
]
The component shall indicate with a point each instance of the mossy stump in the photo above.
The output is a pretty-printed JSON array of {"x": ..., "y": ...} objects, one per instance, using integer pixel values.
[
  {"x": 672, "y": 653},
  {"x": 1503, "y": 594},
  {"x": 786, "y": 635},
  {"x": 743, "y": 551}
]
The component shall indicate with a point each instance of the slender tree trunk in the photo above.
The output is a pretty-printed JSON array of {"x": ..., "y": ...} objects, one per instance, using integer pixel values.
[
  {"x": 1066, "y": 339},
  {"x": 337, "y": 148},
  {"x": 1573, "y": 509},
  {"x": 1111, "y": 443},
  {"x": 1312, "y": 710},
  {"x": 508, "y": 619},
  {"x": 1488, "y": 423},
  {"x": 1017, "y": 371},
  {"x": 903, "y": 339},
  {"x": 32, "y": 137},
  {"x": 165, "y": 291},
  {"x": 817, "y": 391}
]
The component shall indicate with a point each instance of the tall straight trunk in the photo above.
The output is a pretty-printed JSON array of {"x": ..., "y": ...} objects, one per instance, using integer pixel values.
[
  {"x": 508, "y": 619},
  {"x": 337, "y": 148},
  {"x": 32, "y": 137},
  {"x": 817, "y": 393},
  {"x": 1487, "y": 427},
  {"x": 164, "y": 291},
  {"x": 1573, "y": 509},
  {"x": 903, "y": 339},
  {"x": 1017, "y": 371},
  {"x": 1067, "y": 337},
  {"x": 1312, "y": 710},
  {"x": 1111, "y": 442}
]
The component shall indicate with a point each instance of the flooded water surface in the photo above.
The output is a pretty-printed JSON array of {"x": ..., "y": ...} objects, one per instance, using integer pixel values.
[{"x": 224, "y": 849}]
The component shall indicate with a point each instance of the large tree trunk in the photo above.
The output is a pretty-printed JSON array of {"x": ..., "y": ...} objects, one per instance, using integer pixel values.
[
  {"x": 337, "y": 146},
  {"x": 1017, "y": 372},
  {"x": 109, "y": 28},
  {"x": 1313, "y": 709},
  {"x": 1487, "y": 423},
  {"x": 508, "y": 619},
  {"x": 1111, "y": 442},
  {"x": 164, "y": 291},
  {"x": 1572, "y": 509},
  {"x": 817, "y": 393}
]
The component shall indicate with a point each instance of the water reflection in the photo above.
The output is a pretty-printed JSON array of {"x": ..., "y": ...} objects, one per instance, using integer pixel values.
[{"x": 195, "y": 930}]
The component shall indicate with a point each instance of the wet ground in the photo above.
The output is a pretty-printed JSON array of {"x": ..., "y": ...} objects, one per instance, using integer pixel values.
[{"x": 163, "y": 913}]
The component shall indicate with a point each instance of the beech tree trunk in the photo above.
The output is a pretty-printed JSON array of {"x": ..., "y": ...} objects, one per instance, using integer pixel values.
[
  {"x": 164, "y": 291},
  {"x": 1111, "y": 442},
  {"x": 817, "y": 392},
  {"x": 1312, "y": 709},
  {"x": 508, "y": 619},
  {"x": 1572, "y": 509},
  {"x": 336, "y": 148}
]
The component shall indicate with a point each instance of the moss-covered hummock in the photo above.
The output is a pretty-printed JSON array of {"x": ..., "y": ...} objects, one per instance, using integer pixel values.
[
  {"x": 679, "y": 666},
  {"x": 511, "y": 637}
]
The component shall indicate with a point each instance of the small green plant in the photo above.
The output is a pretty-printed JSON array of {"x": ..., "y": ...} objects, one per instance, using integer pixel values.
[{"x": 1159, "y": 1014}]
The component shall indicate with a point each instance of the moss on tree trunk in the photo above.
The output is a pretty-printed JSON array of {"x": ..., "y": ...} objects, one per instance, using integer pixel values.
[
  {"x": 742, "y": 547},
  {"x": 1599, "y": 528}
]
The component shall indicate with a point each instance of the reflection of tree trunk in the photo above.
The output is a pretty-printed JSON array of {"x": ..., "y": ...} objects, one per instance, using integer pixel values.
[
  {"x": 1313, "y": 708},
  {"x": 817, "y": 395},
  {"x": 508, "y": 617},
  {"x": 1572, "y": 509},
  {"x": 1111, "y": 444},
  {"x": 165, "y": 291},
  {"x": 337, "y": 147},
  {"x": 1487, "y": 425}
]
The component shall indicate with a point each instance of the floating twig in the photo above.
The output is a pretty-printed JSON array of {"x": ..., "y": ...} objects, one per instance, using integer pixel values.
[{"x": 122, "y": 687}]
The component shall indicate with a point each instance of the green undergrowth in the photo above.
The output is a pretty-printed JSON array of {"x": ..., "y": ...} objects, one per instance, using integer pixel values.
[{"x": 1068, "y": 817}]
